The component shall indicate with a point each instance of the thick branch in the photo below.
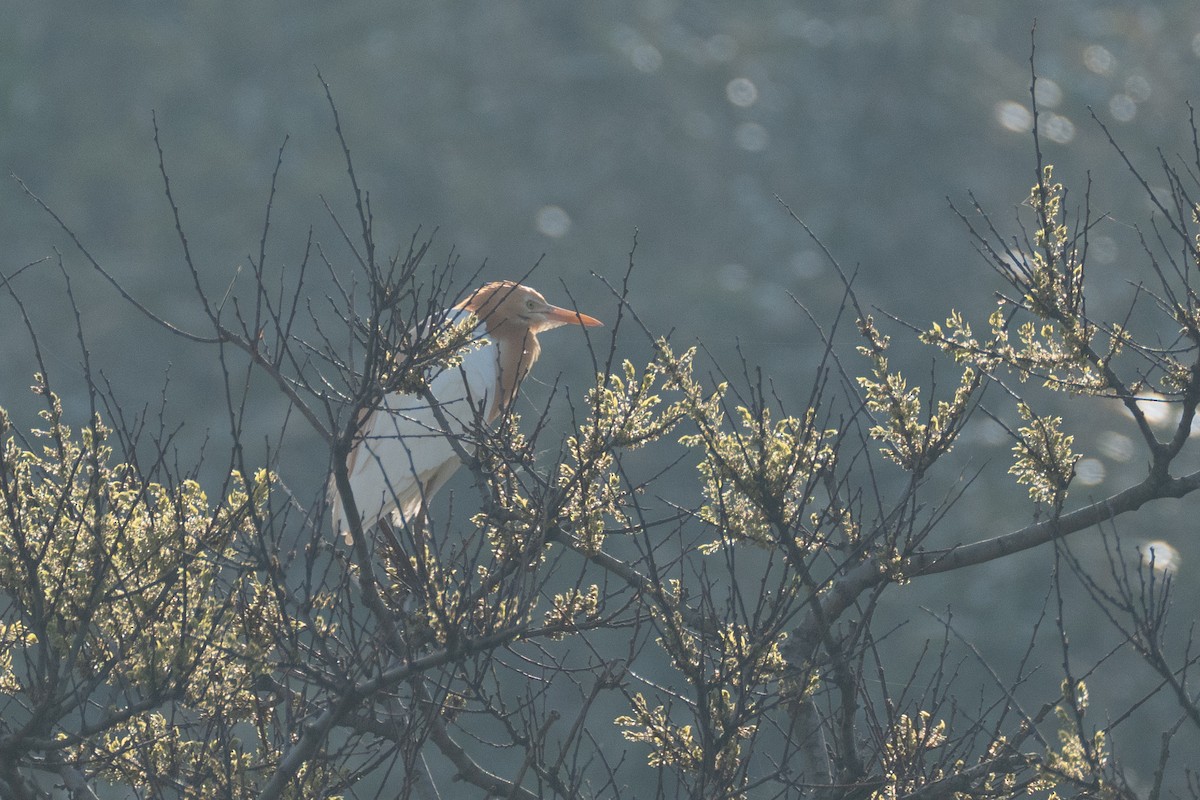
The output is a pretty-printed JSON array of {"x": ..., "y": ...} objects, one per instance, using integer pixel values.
[
  {"x": 469, "y": 770},
  {"x": 1130, "y": 499},
  {"x": 868, "y": 574}
]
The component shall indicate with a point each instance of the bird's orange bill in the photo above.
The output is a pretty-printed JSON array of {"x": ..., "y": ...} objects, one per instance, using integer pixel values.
[{"x": 565, "y": 316}]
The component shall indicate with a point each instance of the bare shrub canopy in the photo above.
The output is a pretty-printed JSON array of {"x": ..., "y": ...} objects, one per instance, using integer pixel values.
[{"x": 579, "y": 631}]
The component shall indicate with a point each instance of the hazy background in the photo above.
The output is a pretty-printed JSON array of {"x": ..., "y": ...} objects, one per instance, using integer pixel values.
[{"x": 523, "y": 130}]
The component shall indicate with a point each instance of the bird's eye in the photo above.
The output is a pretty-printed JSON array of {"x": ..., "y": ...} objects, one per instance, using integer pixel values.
[{"x": 530, "y": 304}]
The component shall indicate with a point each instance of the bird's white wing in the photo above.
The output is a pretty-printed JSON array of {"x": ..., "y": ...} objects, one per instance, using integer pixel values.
[{"x": 406, "y": 452}]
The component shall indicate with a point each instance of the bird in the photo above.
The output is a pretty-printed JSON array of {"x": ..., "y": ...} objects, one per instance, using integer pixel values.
[{"x": 404, "y": 452}]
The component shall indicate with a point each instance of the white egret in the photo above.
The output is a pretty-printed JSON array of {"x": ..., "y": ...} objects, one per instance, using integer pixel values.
[{"x": 404, "y": 452}]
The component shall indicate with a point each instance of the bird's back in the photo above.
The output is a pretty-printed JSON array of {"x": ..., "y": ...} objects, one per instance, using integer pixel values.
[{"x": 408, "y": 447}]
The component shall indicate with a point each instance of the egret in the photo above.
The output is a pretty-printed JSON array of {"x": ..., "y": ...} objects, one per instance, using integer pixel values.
[{"x": 404, "y": 451}]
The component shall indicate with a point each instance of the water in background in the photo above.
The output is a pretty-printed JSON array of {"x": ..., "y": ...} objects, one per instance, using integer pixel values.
[{"x": 523, "y": 129}]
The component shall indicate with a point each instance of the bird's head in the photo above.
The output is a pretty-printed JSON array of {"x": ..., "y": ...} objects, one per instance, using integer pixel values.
[{"x": 509, "y": 305}]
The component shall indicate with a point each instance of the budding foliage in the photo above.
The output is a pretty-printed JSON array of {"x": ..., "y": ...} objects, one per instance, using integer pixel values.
[
  {"x": 671, "y": 745},
  {"x": 910, "y": 436},
  {"x": 626, "y": 411},
  {"x": 758, "y": 478},
  {"x": 904, "y": 754},
  {"x": 1042, "y": 330},
  {"x": 1044, "y": 460},
  {"x": 1080, "y": 759},
  {"x": 573, "y": 608},
  {"x": 118, "y": 586}
]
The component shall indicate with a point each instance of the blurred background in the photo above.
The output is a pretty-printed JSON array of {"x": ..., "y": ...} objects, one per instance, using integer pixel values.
[{"x": 527, "y": 131}]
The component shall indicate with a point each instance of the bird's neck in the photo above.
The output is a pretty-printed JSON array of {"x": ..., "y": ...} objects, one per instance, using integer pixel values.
[{"x": 517, "y": 350}]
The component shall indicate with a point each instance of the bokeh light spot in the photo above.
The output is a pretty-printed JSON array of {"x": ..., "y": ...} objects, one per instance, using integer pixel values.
[
  {"x": 1158, "y": 409},
  {"x": 552, "y": 221},
  {"x": 1116, "y": 446},
  {"x": 1162, "y": 556},
  {"x": 1048, "y": 93},
  {"x": 1090, "y": 471},
  {"x": 646, "y": 58},
  {"x": 776, "y": 309},
  {"x": 990, "y": 432},
  {"x": 1098, "y": 60},
  {"x": 1122, "y": 107},
  {"x": 1138, "y": 87},
  {"x": 1013, "y": 116},
  {"x": 741, "y": 92},
  {"x": 1102, "y": 250},
  {"x": 1058, "y": 128},
  {"x": 1014, "y": 263},
  {"x": 808, "y": 264}
]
